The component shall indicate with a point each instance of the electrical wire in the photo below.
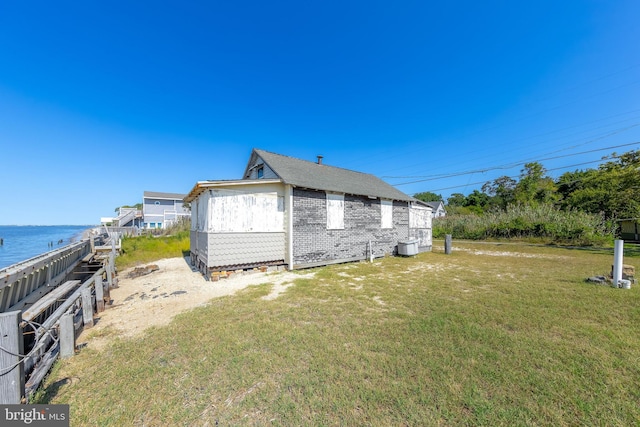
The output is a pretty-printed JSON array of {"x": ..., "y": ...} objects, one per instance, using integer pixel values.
[
  {"x": 513, "y": 177},
  {"x": 23, "y": 357},
  {"x": 506, "y": 166},
  {"x": 574, "y": 98}
]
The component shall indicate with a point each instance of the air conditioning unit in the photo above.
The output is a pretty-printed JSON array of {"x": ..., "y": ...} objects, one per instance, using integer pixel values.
[{"x": 408, "y": 247}]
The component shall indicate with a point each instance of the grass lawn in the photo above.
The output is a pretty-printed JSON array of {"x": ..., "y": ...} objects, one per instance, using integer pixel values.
[
  {"x": 147, "y": 248},
  {"x": 493, "y": 334}
]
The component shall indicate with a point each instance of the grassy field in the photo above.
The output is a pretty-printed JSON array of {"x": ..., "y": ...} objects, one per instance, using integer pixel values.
[
  {"x": 144, "y": 249},
  {"x": 493, "y": 334}
]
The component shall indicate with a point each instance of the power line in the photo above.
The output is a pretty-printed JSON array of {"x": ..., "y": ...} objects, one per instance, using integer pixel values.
[
  {"x": 506, "y": 166},
  {"x": 575, "y": 98},
  {"x": 516, "y": 176},
  {"x": 512, "y": 177}
]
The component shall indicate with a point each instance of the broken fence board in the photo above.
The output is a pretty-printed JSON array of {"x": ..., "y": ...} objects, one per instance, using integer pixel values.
[{"x": 49, "y": 299}]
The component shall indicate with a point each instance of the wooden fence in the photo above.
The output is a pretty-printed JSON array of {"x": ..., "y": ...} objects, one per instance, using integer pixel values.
[
  {"x": 34, "y": 332},
  {"x": 23, "y": 283},
  {"x": 124, "y": 231}
]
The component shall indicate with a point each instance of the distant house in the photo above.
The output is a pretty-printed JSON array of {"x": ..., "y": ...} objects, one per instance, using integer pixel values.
[
  {"x": 160, "y": 210},
  {"x": 437, "y": 209},
  {"x": 106, "y": 220},
  {"x": 296, "y": 213},
  {"x": 630, "y": 229},
  {"x": 128, "y": 217}
]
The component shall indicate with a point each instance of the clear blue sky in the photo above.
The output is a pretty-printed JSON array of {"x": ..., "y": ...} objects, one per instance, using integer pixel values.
[{"x": 102, "y": 100}]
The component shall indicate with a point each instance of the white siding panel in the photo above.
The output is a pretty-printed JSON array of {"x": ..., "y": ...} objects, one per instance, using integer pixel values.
[
  {"x": 335, "y": 211},
  {"x": 419, "y": 217},
  {"x": 420, "y": 225},
  {"x": 236, "y": 212},
  {"x": 201, "y": 218},
  {"x": 194, "y": 215},
  {"x": 386, "y": 213}
]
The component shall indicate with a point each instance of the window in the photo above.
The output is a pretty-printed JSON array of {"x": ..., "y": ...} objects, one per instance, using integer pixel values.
[
  {"x": 260, "y": 172},
  {"x": 157, "y": 202},
  {"x": 335, "y": 211},
  {"x": 386, "y": 213}
]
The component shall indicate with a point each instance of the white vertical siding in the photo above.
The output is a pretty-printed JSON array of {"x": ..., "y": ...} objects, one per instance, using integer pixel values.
[
  {"x": 194, "y": 215},
  {"x": 237, "y": 211},
  {"x": 419, "y": 217},
  {"x": 420, "y": 225},
  {"x": 386, "y": 213},
  {"x": 335, "y": 211},
  {"x": 203, "y": 202},
  {"x": 289, "y": 230}
]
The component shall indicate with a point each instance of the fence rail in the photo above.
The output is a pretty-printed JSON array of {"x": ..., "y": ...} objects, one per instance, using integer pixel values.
[
  {"x": 124, "y": 231},
  {"x": 23, "y": 283},
  {"x": 43, "y": 324}
]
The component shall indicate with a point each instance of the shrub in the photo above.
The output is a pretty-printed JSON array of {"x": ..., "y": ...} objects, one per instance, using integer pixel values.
[{"x": 543, "y": 221}]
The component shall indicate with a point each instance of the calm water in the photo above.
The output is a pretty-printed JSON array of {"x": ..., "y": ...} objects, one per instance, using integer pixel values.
[{"x": 24, "y": 242}]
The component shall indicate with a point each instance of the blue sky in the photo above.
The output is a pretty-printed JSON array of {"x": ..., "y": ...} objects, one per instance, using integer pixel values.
[{"x": 100, "y": 101}]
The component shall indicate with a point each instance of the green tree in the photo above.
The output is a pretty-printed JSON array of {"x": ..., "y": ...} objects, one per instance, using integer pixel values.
[
  {"x": 534, "y": 186},
  {"x": 456, "y": 199},
  {"x": 476, "y": 198},
  {"x": 612, "y": 190},
  {"x": 501, "y": 191},
  {"x": 136, "y": 206}
]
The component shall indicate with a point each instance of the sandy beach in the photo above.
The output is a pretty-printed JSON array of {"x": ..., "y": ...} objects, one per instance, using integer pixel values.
[{"x": 154, "y": 299}]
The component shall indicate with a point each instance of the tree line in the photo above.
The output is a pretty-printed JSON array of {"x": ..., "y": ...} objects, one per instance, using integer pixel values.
[{"x": 597, "y": 197}]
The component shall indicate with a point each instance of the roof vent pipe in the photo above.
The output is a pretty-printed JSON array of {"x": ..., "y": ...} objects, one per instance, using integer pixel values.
[{"x": 320, "y": 159}]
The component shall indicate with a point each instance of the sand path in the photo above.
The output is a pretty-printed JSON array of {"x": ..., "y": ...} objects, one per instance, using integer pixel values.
[{"x": 154, "y": 299}]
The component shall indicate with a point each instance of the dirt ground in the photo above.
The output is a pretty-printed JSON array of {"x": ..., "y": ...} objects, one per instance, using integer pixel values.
[{"x": 154, "y": 299}]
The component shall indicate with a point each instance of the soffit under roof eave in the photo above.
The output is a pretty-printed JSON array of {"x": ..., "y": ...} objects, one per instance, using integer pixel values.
[{"x": 201, "y": 186}]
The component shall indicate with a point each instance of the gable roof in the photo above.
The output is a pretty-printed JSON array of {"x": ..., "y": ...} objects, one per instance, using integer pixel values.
[
  {"x": 302, "y": 173},
  {"x": 436, "y": 205}
]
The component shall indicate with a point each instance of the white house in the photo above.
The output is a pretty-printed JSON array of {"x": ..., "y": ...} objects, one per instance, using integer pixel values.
[
  {"x": 297, "y": 213},
  {"x": 437, "y": 209}
]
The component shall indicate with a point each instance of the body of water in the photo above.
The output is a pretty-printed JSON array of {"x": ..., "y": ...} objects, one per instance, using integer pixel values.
[{"x": 22, "y": 242}]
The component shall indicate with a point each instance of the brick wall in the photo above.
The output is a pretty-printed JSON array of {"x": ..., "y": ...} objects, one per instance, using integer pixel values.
[{"x": 313, "y": 243}]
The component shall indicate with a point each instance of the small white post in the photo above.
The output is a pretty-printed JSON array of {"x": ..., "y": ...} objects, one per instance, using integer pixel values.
[
  {"x": 618, "y": 251},
  {"x": 370, "y": 252}
]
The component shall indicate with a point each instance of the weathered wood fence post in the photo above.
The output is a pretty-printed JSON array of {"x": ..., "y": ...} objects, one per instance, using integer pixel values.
[
  {"x": 11, "y": 355},
  {"x": 107, "y": 267},
  {"x": 67, "y": 336},
  {"x": 87, "y": 307},
  {"x": 447, "y": 244},
  {"x": 99, "y": 287}
]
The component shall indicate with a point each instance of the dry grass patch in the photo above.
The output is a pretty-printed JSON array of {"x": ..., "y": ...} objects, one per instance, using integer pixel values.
[{"x": 463, "y": 343}]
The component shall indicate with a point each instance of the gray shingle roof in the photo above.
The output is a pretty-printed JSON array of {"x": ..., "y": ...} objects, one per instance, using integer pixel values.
[
  {"x": 302, "y": 173},
  {"x": 435, "y": 205}
]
